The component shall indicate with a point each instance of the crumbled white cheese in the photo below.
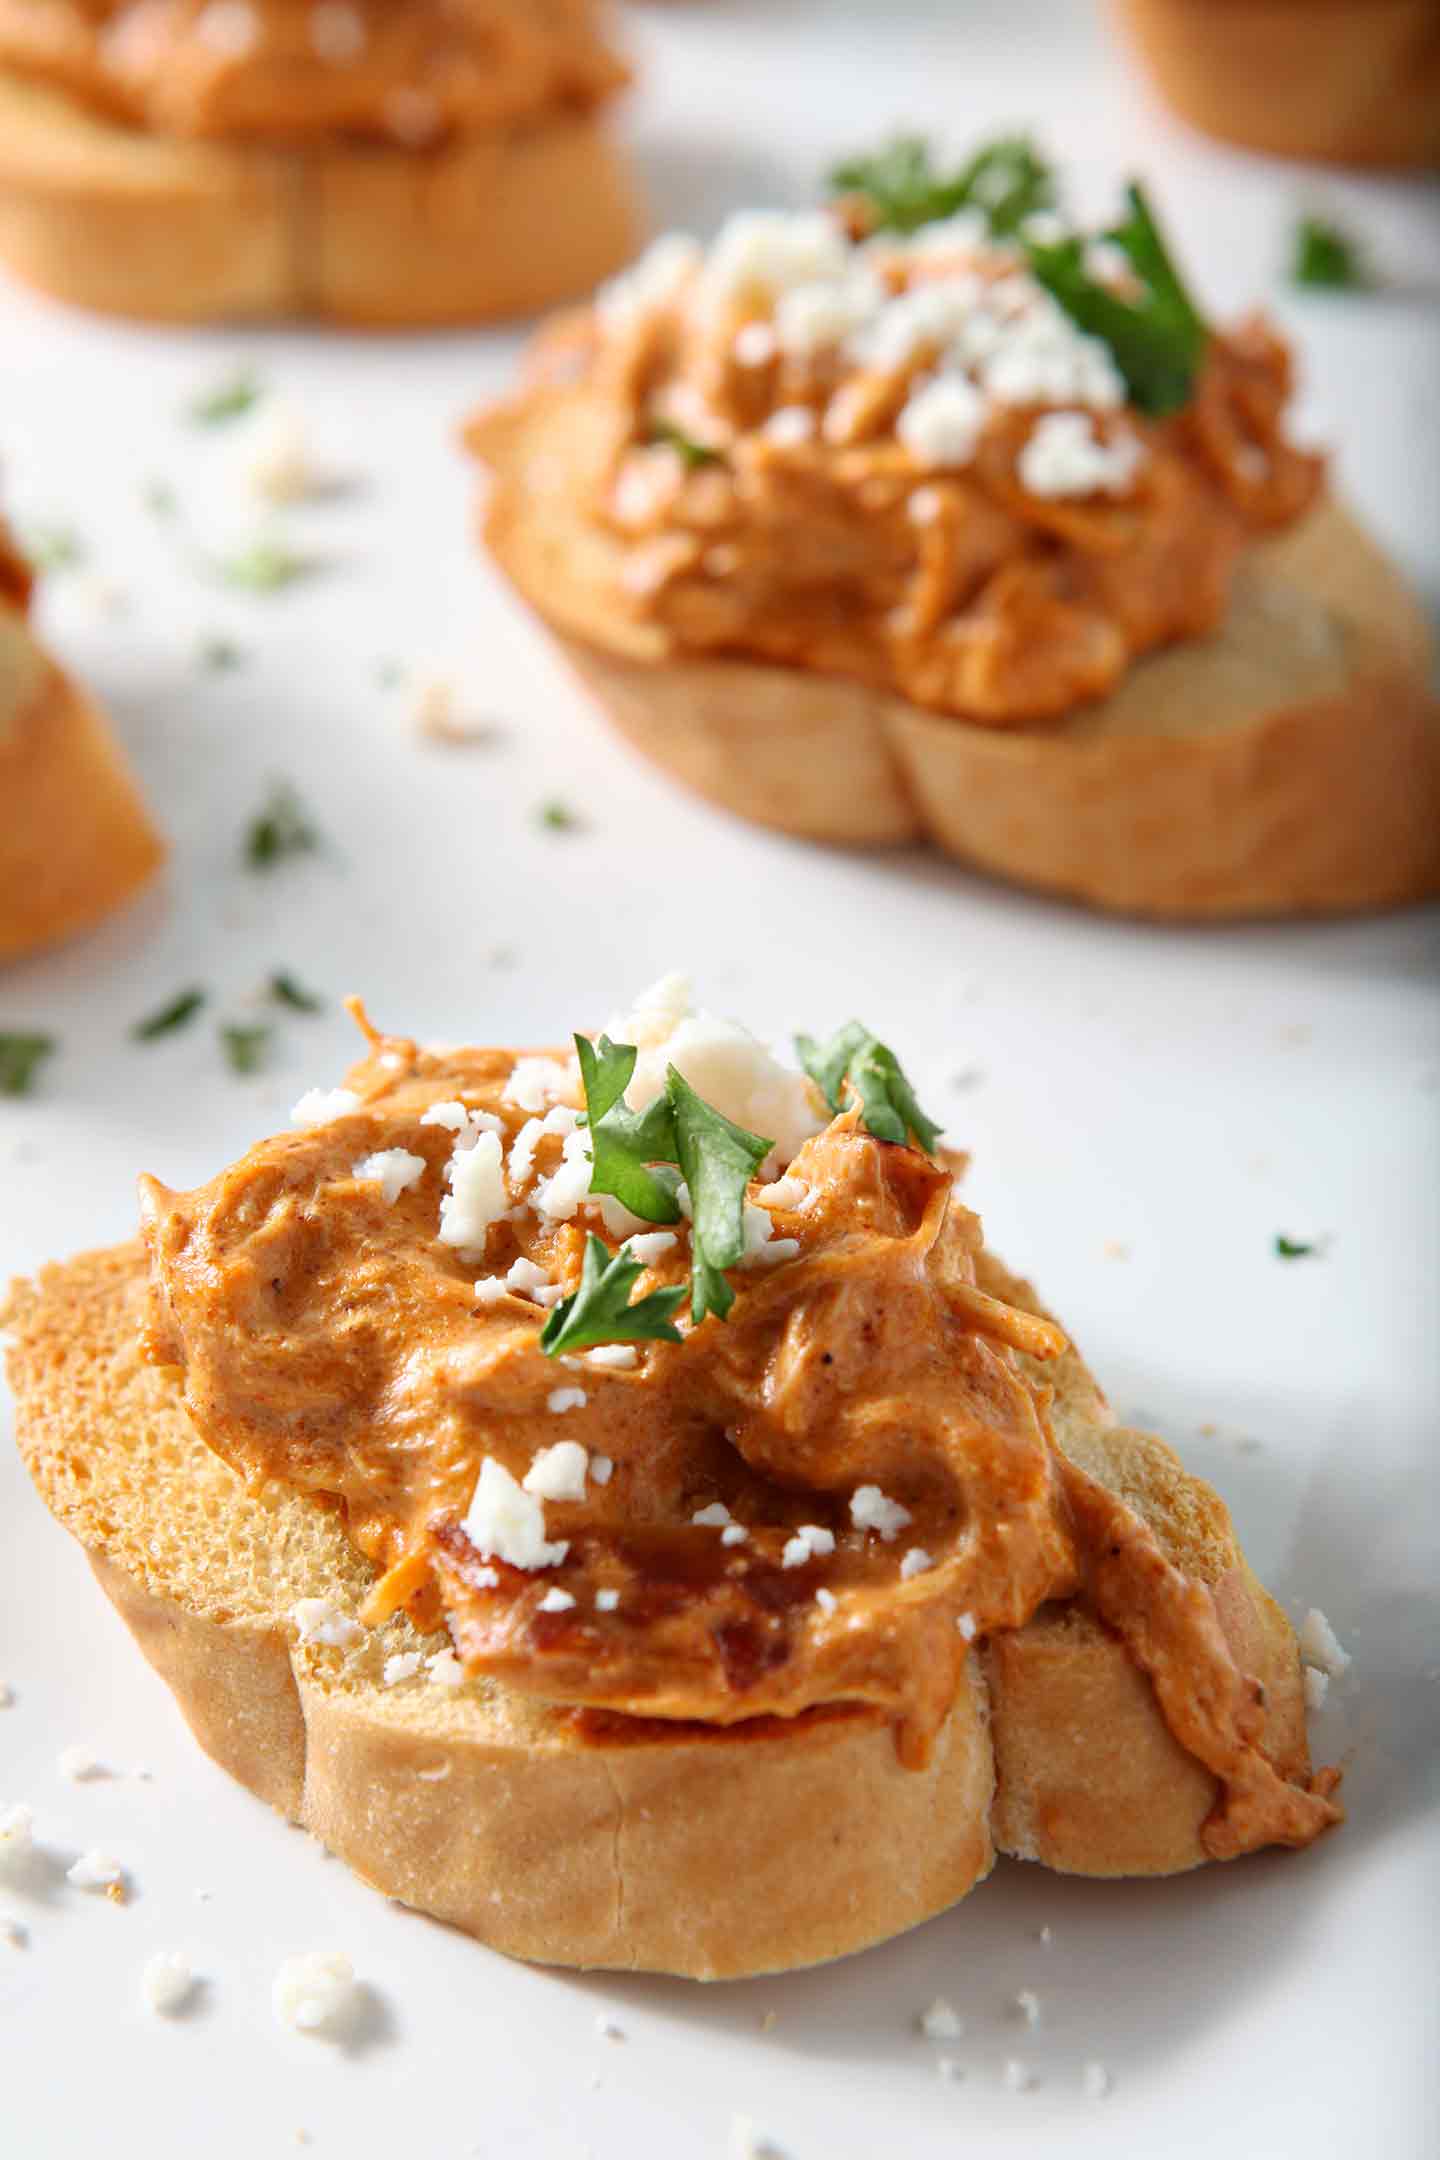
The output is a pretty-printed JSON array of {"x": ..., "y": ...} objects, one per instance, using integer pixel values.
[
  {"x": 337, "y": 32},
  {"x": 925, "y": 320},
  {"x": 476, "y": 1197},
  {"x": 1018, "y": 2076},
  {"x": 648, "y": 1247},
  {"x": 826, "y": 1600},
  {"x": 403, "y": 1665},
  {"x": 228, "y": 27},
  {"x": 13, "y": 1934},
  {"x": 941, "y": 2021},
  {"x": 941, "y": 424},
  {"x": 80, "y": 1764},
  {"x": 166, "y": 1983},
  {"x": 520, "y": 1162},
  {"x": 1027, "y": 2006},
  {"x": 614, "y": 1356},
  {"x": 1317, "y": 1687},
  {"x": 412, "y": 116},
  {"x": 1064, "y": 456},
  {"x": 558, "y": 1472},
  {"x": 17, "y": 1840},
  {"x": 524, "y": 1277},
  {"x": 762, "y": 1248},
  {"x": 602, "y": 1469},
  {"x": 320, "y": 1620},
  {"x": 1095, "y": 2081},
  {"x": 560, "y": 1197},
  {"x": 713, "y": 1517},
  {"x": 789, "y": 425},
  {"x": 787, "y": 1192},
  {"x": 556, "y": 1601},
  {"x": 321, "y": 1106},
  {"x": 455, "y": 1117},
  {"x": 966, "y": 1624},
  {"x": 652, "y": 282},
  {"x": 315, "y": 1992},
  {"x": 760, "y": 253},
  {"x": 445, "y": 1670},
  {"x": 870, "y": 1510},
  {"x": 734, "y": 1533},
  {"x": 810, "y": 1542},
  {"x": 95, "y": 1871},
  {"x": 808, "y": 318},
  {"x": 754, "y": 344},
  {"x": 535, "y": 1083},
  {"x": 395, "y": 1168},
  {"x": 561, "y": 1399},
  {"x": 280, "y": 468},
  {"x": 489, "y": 1290},
  {"x": 606, "y": 1600},
  {"x": 1320, "y": 1645},
  {"x": 915, "y": 1562},
  {"x": 505, "y": 1522}
]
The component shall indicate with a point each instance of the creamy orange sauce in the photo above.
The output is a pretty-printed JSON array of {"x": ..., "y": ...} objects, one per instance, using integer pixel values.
[
  {"x": 840, "y": 552},
  {"x": 329, "y": 1339},
  {"x": 289, "y": 70}
]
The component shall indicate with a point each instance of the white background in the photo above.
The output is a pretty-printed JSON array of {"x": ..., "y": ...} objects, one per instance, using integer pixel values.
[{"x": 1182, "y": 1095}]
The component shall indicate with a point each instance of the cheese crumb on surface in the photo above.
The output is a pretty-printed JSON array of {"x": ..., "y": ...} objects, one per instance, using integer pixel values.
[
  {"x": 941, "y": 2021},
  {"x": 810, "y": 1542},
  {"x": 14, "y": 1935},
  {"x": 445, "y": 1670},
  {"x": 561, "y": 1399},
  {"x": 602, "y": 1469},
  {"x": 761, "y": 253},
  {"x": 80, "y": 1764},
  {"x": 457, "y": 1118},
  {"x": 166, "y": 1983},
  {"x": 337, "y": 32},
  {"x": 556, "y": 1601},
  {"x": 826, "y": 1600},
  {"x": 651, "y": 282},
  {"x": 321, "y": 1106},
  {"x": 490, "y": 1290},
  {"x": 1027, "y": 2006},
  {"x": 940, "y": 425},
  {"x": 505, "y": 1522},
  {"x": 614, "y": 1357},
  {"x": 535, "y": 1083},
  {"x": 606, "y": 1600},
  {"x": 916, "y": 1562},
  {"x": 786, "y": 1192},
  {"x": 965, "y": 1623},
  {"x": 558, "y": 1473},
  {"x": 95, "y": 1870},
  {"x": 281, "y": 469},
  {"x": 17, "y": 1839},
  {"x": 713, "y": 1517},
  {"x": 1317, "y": 1687},
  {"x": 404, "y": 1665},
  {"x": 648, "y": 1247},
  {"x": 320, "y": 1620},
  {"x": 315, "y": 1992},
  {"x": 395, "y": 1169},
  {"x": 476, "y": 1197},
  {"x": 228, "y": 27},
  {"x": 1320, "y": 1645},
  {"x": 734, "y": 1533},
  {"x": 1064, "y": 456},
  {"x": 1095, "y": 2081},
  {"x": 870, "y": 1510}
]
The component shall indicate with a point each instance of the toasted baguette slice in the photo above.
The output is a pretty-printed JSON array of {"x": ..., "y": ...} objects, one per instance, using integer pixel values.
[
  {"x": 75, "y": 839},
  {"x": 710, "y": 1853},
  {"x": 1288, "y": 765},
  {"x": 110, "y": 217}
]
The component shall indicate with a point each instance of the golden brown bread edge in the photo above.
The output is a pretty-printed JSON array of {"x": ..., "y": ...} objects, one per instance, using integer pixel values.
[
  {"x": 75, "y": 838},
  {"x": 110, "y": 218},
  {"x": 1289, "y": 765},
  {"x": 1361, "y": 77},
  {"x": 711, "y": 1854}
]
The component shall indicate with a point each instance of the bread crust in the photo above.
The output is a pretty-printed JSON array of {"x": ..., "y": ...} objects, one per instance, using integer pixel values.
[
  {"x": 708, "y": 1853},
  {"x": 1288, "y": 765},
  {"x": 501, "y": 223},
  {"x": 75, "y": 838}
]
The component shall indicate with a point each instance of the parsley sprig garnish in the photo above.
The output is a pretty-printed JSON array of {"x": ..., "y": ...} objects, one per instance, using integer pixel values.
[
  {"x": 287, "y": 991},
  {"x": 691, "y": 452},
  {"x": 21, "y": 1056},
  {"x": 246, "y": 1047},
  {"x": 600, "y": 1311},
  {"x": 857, "y": 1059},
  {"x": 264, "y": 566},
  {"x": 901, "y": 190},
  {"x": 229, "y": 400},
  {"x": 170, "y": 1017},
  {"x": 1156, "y": 336},
  {"x": 624, "y": 1143},
  {"x": 1324, "y": 255},
  {"x": 1289, "y": 1248},
  {"x": 283, "y": 827}
]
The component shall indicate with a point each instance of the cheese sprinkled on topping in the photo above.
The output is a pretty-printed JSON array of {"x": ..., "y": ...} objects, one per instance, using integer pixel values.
[
  {"x": 315, "y": 1992},
  {"x": 713, "y": 1517},
  {"x": 602, "y": 1469},
  {"x": 760, "y": 253},
  {"x": 454, "y": 1117},
  {"x": 653, "y": 281},
  {"x": 556, "y": 1601},
  {"x": 941, "y": 424},
  {"x": 606, "y": 1600},
  {"x": 489, "y": 1290},
  {"x": 558, "y": 1472},
  {"x": 504, "y": 1522},
  {"x": 614, "y": 1357},
  {"x": 228, "y": 27},
  {"x": 1064, "y": 456},
  {"x": 648, "y": 1247},
  {"x": 870, "y": 1510},
  {"x": 477, "y": 1196},
  {"x": 535, "y": 1083},
  {"x": 1317, "y": 1687},
  {"x": 965, "y": 1622},
  {"x": 446, "y": 1671},
  {"x": 1320, "y": 1645},
  {"x": 321, "y": 1106},
  {"x": 826, "y": 1600},
  {"x": 337, "y": 32},
  {"x": 915, "y": 1562},
  {"x": 404, "y": 1665},
  {"x": 810, "y": 1542},
  {"x": 561, "y": 1399},
  {"x": 734, "y": 1533},
  {"x": 395, "y": 1168},
  {"x": 320, "y": 1620}
]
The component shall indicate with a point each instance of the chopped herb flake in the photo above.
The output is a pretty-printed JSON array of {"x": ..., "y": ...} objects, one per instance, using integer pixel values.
[
  {"x": 220, "y": 655},
  {"x": 899, "y": 189},
  {"x": 691, "y": 451},
  {"x": 53, "y": 547},
  {"x": 266, "y": 566},
  {"x": 159, "y": 498},
  {"x": 170, "y": 1018},
  {"x": 286, "y": 991},
  {"x": 1288, "y": 1248},
  {"x": 229, "y": 400},
  {"x": 246, "y": 1047},
  {"x": 625, "y": 1142},
  {"x": 1326, "y": 256},
  {"x": 556, "y": 816},
  {"x": 599, "y": 1311},
  {"x": 21, "y": 1056},
  {"x": 1156, "y": 336},
  {"x": 857, "y": 1059},
  {"x": 281, "y": 828}
]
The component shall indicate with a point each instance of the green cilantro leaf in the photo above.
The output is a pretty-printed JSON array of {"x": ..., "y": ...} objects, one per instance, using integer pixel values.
[
  {"x": 169, "y": 1018},
  {"x": 901, "y": 189},
  {"x": 600, "y": 1312},
  {"x": 717, "y": 1160},
  {"x": 691, "y": 451},
  {"x": 53, "y": 547},
  {"x": 229, "y": 400},
  {"x": 286, "y": 991},
  {"x": 21, "y": 1056},
  {"x": 1322, "y": 254},
  {"x": 281, "y": 828},
  {"x": 1288, "y": 1248},
  {"x": 265, "y": 566},
  {"x": 556, "y": 816},
  {"x": 1157, "y": 337},
  {"x": 159, "y": 498},
  {"x": 245, "y": 1047},
  {"x": 856, "y": 1058},
  {"x": 624, "y": 1143}
]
